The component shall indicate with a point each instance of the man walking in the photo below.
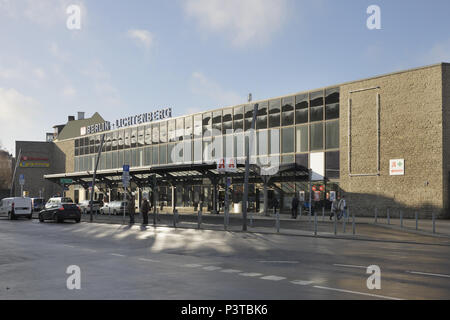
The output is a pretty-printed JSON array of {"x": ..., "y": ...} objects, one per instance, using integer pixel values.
[
  {"x": 342, "y": 208},
  {"x": 334, "y": 208},
  {"x": 294, "y": 207},
  {"x": 145, "y": 208}
]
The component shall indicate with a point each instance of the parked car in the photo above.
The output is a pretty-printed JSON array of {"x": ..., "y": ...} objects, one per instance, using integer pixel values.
[
  {"x": 85, "y": 206},
  {"x": 60, "y": 209},
  {"x": 37, "y": 204},
  {"x": 115, "y": 208},
  {"x": 16, "y": 207}
]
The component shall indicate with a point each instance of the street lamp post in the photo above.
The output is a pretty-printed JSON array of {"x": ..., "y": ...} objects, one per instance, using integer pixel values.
[{"x": 95, "y": 173}]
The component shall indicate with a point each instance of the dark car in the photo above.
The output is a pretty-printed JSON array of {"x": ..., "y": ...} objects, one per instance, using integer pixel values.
[{"x": 60, "y": 209}]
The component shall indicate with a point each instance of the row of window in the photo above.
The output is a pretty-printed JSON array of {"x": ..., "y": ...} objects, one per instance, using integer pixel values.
[
  {"x": 272, "y": 142},
  {"x": 158, "y": 155},
  {"x": 300, "y": 109}
]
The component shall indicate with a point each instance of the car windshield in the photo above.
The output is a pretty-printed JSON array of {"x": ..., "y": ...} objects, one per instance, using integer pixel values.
[{"x": 66, "y": 200}]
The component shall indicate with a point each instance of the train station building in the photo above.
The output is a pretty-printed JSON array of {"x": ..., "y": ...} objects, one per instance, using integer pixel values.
[{"x": 382, "y": 142}]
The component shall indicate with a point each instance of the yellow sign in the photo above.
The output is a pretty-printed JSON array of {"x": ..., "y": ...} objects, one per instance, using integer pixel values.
[{"x": 34, "y": 164}]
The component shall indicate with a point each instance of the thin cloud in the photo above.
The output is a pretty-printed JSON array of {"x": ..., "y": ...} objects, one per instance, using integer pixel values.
[
  {"x": 243, "y": 22},
  {"x": 142, "y": 37},
  {"x": 203, "y": 86}
]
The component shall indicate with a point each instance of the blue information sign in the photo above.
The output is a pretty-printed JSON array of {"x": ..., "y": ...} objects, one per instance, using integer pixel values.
[{"x": 126, "y": 168}]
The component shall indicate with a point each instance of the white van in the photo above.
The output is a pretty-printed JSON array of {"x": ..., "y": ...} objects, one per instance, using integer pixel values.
[{"x": 16, "y": 207}]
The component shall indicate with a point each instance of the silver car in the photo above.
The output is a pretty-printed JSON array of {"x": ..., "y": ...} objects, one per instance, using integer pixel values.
[
  {"x": 85, "y": 207},
  {"x": 114, "y": 208}
]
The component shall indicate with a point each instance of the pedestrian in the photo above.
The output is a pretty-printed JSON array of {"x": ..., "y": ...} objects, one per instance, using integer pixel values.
[
  {"x": 294, "y": 207},
  {"x": 275, "y": 205},
  {"x": 131, "y": 208},
  {"x": 145, "y": 208},
  {"x": 342, "y": 208},
  {"x": 334, "y": 208}
]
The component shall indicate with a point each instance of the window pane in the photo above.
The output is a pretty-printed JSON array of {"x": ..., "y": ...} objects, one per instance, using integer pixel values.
[
  {"x": 198, "y": 150},
  {"x": 332, "y": 135},
  {"x": 171, "y": 130},
  {"x": 239, "y": 145},
  {"x": 248, "y": 116},
  {"x": 217, "y": 123},
  {"x": 114, "y": 140},
  {"x": 115, "y": 164},
  {"x": 332, "y": 165},
  {"x": 287, "y": 136},
  {"x": 188, "y": 128},
  {"x": 207, "y": 124},
  {"x": 155, "y": 155},
  {"x": 121, "y": 139},
  {"x": 109, "y": 160},
  {"x": 180, "y": 129},
  {"x": 187, "y": 151},
  {"x": 163, "y": 154},
  {"x": 274, "y": 113},
  {"x": 302, "y": 160},
  {"x": 288, "y": 111},
  {"x": 302, "y": 138},
  {"x": 287, "y": 159},
  {"x": 332, "y": 96},
  {"x": 316, "y": 99},
  {"x": 263, "y": 142},
  {"x": 170, "y": 148},
  {"x": 332, "y": 111},
  {"x": 274, "y": 141},
  {"x": 317, "y": 136},
  {"x": 148, "y": 154},
  {"x": 198, "y": 126},
  {"x": 148, "y": 135},
  {"x": 155, "y": 133},
  {"x": 127, "y": 138}
]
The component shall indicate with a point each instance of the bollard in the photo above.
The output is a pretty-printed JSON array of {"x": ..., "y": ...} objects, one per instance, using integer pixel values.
[
  {"x": 323, "y": 214},
  {"x": 434, "y": 222},
  {"x": 417, "y": 220},
  {"x": 300, "y": 212},
  {"x": 225, "y": 219},
  {"x": 343, "y": 224},
  {"x": 277, "y": 223},
  {"x": 353, "y": 223},
  {"x": 388, "y": 216},
  {"x": 251, "y": 219},
  {"x": 199, "y": 219},
  {"x": 376, "y": 215},
  {"x": 175, "y": 218},
  {"x": 335, "y": 223},
  {"x": 401, "y": 219},
  {"x": 315, "y": 224}
]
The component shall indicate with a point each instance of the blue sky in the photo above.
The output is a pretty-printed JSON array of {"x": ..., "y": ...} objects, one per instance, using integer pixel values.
[{"x": 137, "y": 56}]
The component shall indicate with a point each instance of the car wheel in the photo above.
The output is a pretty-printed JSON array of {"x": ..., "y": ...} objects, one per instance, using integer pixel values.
[
  {"x": 41, "y": 218},
  {"x": 30, "y": 217},
  {"x": 77, "y": 220}
]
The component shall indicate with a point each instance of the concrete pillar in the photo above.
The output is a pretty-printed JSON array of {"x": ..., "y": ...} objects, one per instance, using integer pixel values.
[
  {"x": 214, "y": 208},
  {"x": 173, "y": 198},
  {"x": 266, "y": 198}
]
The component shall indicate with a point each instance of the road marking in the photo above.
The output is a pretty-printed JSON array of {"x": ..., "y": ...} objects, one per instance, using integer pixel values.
[
  {"x": 430, "y": 274},
  {"x": 66, "y": 245},
  {"x": 278, "y": 261},
  {"x": 273, "y": 278},
  {"x": 90, "y": 250},
  {"x": 349, "y": 266},
  {"x": 356, "y": 292},
  {"x": 117, "y": 255},
  {"x": 230, "y": 271},
  {"x": 193, "y": 265},
  {"x": 250, "y": 274},
  {"x": 211, "y": 268},
  {"x": 148, "y": 260},
  {"x": 302, "y": 282}
]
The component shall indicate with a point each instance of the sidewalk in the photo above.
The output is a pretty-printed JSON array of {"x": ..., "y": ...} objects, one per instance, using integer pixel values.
[{"x": 365, "y": 229}]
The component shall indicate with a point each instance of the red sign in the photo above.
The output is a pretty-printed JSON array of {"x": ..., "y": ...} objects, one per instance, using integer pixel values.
[
  {"x": 25, "y": 158},
  {"x": 322, "y": 188},
  {"x": 314, "y": 188}
]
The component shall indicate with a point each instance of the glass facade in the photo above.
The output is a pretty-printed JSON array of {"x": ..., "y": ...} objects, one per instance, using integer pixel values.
[{"x": 287, "y": 129}]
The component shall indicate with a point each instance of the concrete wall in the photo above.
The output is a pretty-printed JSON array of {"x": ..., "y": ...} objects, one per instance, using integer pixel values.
[
  {"x": 34, "y": 177},
  {"x": 410, "y": 128},
  {"x": 65, "y": 155}
]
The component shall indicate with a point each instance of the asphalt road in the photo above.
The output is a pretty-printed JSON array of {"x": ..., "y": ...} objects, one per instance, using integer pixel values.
[{"x": 118, "y": 262}]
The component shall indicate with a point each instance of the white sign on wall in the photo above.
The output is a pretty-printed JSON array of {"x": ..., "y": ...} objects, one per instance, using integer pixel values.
[
  {"x": 317, "y": 161},
  {"x": 397, "y": 167},
  {"x": 227, "y": 165}
]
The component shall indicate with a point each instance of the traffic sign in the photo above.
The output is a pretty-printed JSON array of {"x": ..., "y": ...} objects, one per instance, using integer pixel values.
[
  {"x": 126, "y": 168},
  {"x": 21, "y": 179},
  {"x": 66, "y": 181}
]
